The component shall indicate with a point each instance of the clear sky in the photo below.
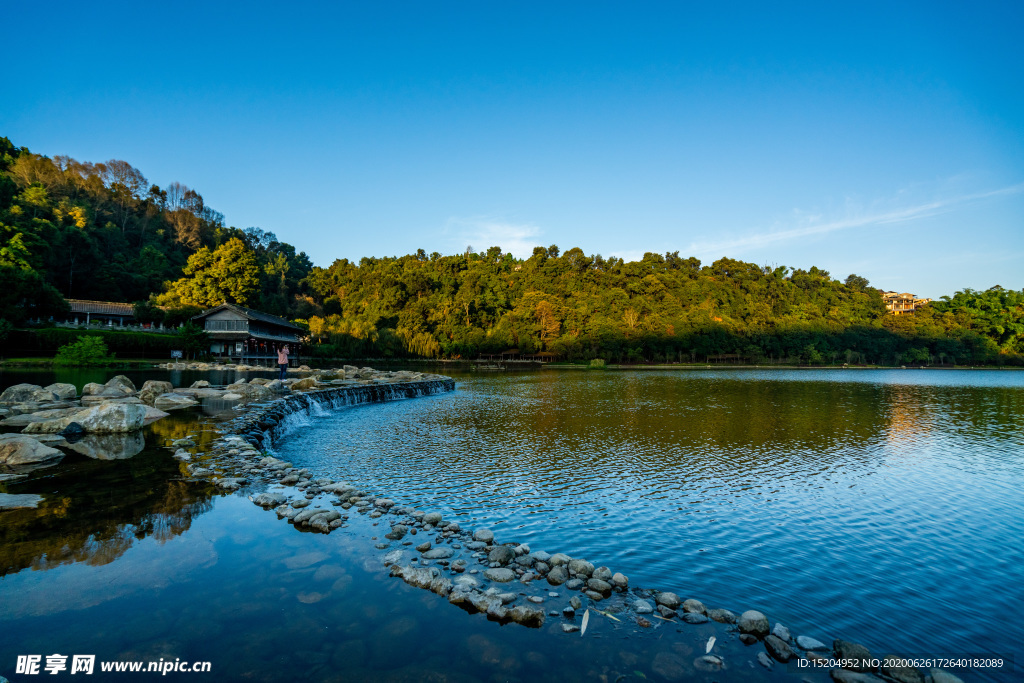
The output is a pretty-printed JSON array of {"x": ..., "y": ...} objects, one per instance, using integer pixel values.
[{"x": 882, "y": 139}]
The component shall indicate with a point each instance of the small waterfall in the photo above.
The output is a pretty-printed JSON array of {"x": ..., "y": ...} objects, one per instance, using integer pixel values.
[{"x": 267, "y": 424}]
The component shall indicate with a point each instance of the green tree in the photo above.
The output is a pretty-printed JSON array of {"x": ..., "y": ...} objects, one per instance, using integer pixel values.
[
  {"x": 229, "y": 273},
  {"x": 193, "y": 339},
  {"x": 84, "y": 352}
]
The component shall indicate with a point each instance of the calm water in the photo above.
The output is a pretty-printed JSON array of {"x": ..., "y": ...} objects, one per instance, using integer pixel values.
[
  {"x": 883, "y": 507},
  {"x": 880, "y": 506}
]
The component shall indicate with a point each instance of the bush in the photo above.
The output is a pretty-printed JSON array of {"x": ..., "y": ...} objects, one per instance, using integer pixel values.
[{"x": 86, "y": 351}]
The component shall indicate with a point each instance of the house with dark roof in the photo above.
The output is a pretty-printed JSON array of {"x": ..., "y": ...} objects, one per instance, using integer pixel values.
[
  {"x": 243, "y": 335},
  {"x": 101, "y": 312}
]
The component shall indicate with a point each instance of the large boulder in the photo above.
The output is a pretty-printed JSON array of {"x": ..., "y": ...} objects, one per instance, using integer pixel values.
[
  {"x": 173, "y": 401},
  {"x": 62, "y": 390},
  {"x": 122, "y": 384},
  {"x": 153, "y": 388},
  {"x": 40, "y": 416},
  {"x": 250, "y": 391},
  {"x": 26, "y": 393},
  {"x": 16, "y": 449},
  {"x": 105, "y": 418},
  {"x": 307, "y": 383}
]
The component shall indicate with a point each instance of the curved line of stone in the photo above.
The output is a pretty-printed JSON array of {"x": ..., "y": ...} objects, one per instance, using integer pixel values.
[{"x": 266, "y": 423}]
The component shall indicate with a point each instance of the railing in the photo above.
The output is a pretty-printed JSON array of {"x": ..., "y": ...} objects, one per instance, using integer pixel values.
[{"x": 227, "y": 325}]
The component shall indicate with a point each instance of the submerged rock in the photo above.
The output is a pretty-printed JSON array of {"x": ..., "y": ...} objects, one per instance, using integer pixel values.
[
  {"x": 120, "y": 446},
  {"x": 173, "y": 401},
  {"x": 10, "y": 501}
]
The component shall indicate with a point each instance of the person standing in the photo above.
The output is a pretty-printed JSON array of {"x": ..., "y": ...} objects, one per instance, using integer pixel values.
[{"x": 282, "y": 360}]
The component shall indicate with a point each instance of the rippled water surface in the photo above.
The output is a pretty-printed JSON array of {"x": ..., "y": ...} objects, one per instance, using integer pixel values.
[{"x": 881, "y": 506}]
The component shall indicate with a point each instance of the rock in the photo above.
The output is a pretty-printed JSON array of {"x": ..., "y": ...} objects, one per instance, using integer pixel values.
[
  {"x": 558, "y": 559},
  {"x": 708, "y": 663},
  {"x": 602, "y": 573},
  {"x": 670, "y": 600},
  {"x": 172, "y": 401},
  {"x": 574, "y": 584},
  {"x": 527, "y": 616},
  {"x": 433, "y": 518},
  {"x": 16, "y": 449},
  {"x": 599, "y": 586},
  {"x": 500, "y": 575},
  {"x": 694, "y": 606},
  {"x": 17, "y": 502},
  {"x": 695, "y": 618},
  {"x": 558, "y": 575},
  {"x": 26, "y": 419},
  {"x": 858, "y": 654},
  {"x": 483, "y": 535},
  {"x": 198, "y": 384},
  {"x": 62, "y": 390},
  {"x": 307, "y": 383},
  {"x": 764, "y": 660},
  {"x": 808, "y": 643},
  {"x": 722, "y": 616},
  {"x": 901, "y": 674},
  {"x": 643, "y": 607},
  {"x": 121, "y": 384},
  {"x": 940, "y": 676},
  {"x": 232, "y": 396},
  {"x": 779, "y": 649},
  {"x": 104, "y": 418},
  {"x": 153, "y": 388},
  {"x": 501, "y": 554},
  {"x": 620, "y": 581},
  {"x": 580, "y": 567},
  {"x": 575, "y": 602},
  {"x": 570, "y": 628},
  {"x": 748, "y": 639},
  {"x": 667, "y": 613},
  {"x": 754, "y": 623},
  {"x": 782, "y": 633},
  {"x": 259, "y": 381},
  {"x": 397, "y": 532},
  {"x": 276, "y": 386},
  {"x": 270, "y": 499},
  {"x": 26, "y": 393},
  {"x": 441, "y": 553}
]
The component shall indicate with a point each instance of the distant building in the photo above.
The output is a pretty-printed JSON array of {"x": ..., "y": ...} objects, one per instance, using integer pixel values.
[
  {"x": 243, "y": 335},
  {"x": 898, "y": 304},
  {"x": 108, "y": 313}
]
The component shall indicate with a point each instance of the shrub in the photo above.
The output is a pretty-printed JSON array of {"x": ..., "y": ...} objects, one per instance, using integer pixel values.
[{"x": 86, "y": 351}]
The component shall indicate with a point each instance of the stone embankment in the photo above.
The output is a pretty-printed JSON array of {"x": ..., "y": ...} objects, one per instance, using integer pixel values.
[{"x": 505, "y": 580}]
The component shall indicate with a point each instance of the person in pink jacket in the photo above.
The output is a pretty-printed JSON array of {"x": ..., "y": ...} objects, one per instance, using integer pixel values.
[{"x": 282, "y": 360}]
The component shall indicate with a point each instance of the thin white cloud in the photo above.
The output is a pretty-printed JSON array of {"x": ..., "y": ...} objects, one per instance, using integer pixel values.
[
  {"x": 809, "y": 225},
  {"x": 519, "y": 239}
]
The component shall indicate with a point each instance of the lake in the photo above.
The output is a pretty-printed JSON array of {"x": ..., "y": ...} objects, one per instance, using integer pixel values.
[{"x": 878, "y": 506}]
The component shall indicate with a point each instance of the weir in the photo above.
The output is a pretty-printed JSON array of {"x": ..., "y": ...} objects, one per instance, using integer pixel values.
[{"x": 265, "y": 425}]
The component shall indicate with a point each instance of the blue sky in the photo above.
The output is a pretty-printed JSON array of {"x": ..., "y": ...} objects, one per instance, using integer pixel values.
[{"x": 882, "y": 139}]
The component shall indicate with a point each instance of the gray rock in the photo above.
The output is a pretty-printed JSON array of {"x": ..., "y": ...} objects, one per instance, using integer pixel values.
[
  {"x": 764, "y": 660},
  {"x": 173, "y": 401},
  {"x": 16, "y": 449},
  {"x": 558, "y": 575},
  {"x": 441, "y": 553},
  {"x": 694, "y": 618},
  {"x": 599, "y": 586},
  {"x": 602, "y": 573},
  {"x": 397, "y": 532},
  {"x": 580, "y": 567},
  {"x": 570, "y": 628},
  {"x": 198, "y": 384},
  {"x": 708, "y": 663},
  {"x": 575, "y": 602},
  {"x": 620, "y": 581},
  {"x": 541, "y": 556},
  {"x": 940, "y": 676},
  {"x": 670, "y": 600},
  {"x": 22, "y": 393},
  {"x": 62, "y": 390},
  {"x": 502, "y": 555},
  {"x": 574, "y": 584},
  {"x": 558, "y": 559},
  {"x": 643, "y": 607},
  {"x": 122, "y": 384},
  {"x": 782, "y": 633},
  {"x": 500, "y": 575},
  {"x": 754, "y": 623},
  {"x": 26, "y": 419},
  {"x": 722, "y": 616},
  {"x": 778, "y": 648},
  {"x": 433, "y": 518},
  {"x": 694, "y": 606},
  {"x": 901, "y": 674},
  {"x": 856, "y": 653},
  {"x": 527, "y": 616},
  {"x": 393, "y": 557},
  {"x": 808, "y": 643},
  {"x": 270, "y": 499},
  {"x": 667, "y": 613},
  {"x": 483, "y": 535},
  {"x": 104, "y": 418},
  {"x": 10, "y": 501}
]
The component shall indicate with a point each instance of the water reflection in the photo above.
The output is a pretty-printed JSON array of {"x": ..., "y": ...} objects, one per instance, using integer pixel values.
[{"x": 108, "y": 446}]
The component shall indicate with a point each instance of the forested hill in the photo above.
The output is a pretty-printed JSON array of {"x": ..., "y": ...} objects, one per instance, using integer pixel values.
[{"x": 102, "y": 231}]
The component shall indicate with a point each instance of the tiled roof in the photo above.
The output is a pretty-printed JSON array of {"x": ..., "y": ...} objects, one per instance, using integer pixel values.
[
  {"x": 101, "y": 307},
  {"x": 251, "y": 314}
]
